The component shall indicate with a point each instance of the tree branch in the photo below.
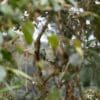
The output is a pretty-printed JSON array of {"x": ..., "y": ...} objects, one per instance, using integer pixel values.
[{"x": 38, "y": 44}]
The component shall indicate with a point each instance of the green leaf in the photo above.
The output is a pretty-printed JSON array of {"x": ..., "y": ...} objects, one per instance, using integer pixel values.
[
  {"x": 85, "y": 75},
  {"x": 18, "y": 3},
  {"x": 28, "y": 29},
  {"x": 11, "y": 33},
  {"x": 54, "y": 5},
  {"x": 20, "y": 73},
  {"x": 6, "y": 9},
  {"x": 96, "y": 56},
  {"x": 6, "y": 55},
  {"x": 2, "y": 73},
  {"x": 53, "y": 41},
  {"x": 20, "y": 49},
  {"x": 54, "y": 94},
  {"x": 9, "y": 89}
]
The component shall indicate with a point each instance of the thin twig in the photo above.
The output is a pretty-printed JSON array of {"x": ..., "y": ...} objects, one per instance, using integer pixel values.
[
  {"x": 37, "y": 42},
  {"x": 36, "y": 55}
]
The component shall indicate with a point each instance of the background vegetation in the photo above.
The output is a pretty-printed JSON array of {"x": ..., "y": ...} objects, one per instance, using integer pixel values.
[{"x": 49, "y": 49}]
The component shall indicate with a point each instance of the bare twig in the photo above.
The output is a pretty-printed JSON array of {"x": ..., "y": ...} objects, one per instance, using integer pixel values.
[
  {"x": 37, "y": 42},
  {"x": 36, "y": 55}
]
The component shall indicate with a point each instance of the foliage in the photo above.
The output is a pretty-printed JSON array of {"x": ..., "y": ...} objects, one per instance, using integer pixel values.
[
  {"x": 27, "y": 29},
  {"x": 66, "y": 64}
]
